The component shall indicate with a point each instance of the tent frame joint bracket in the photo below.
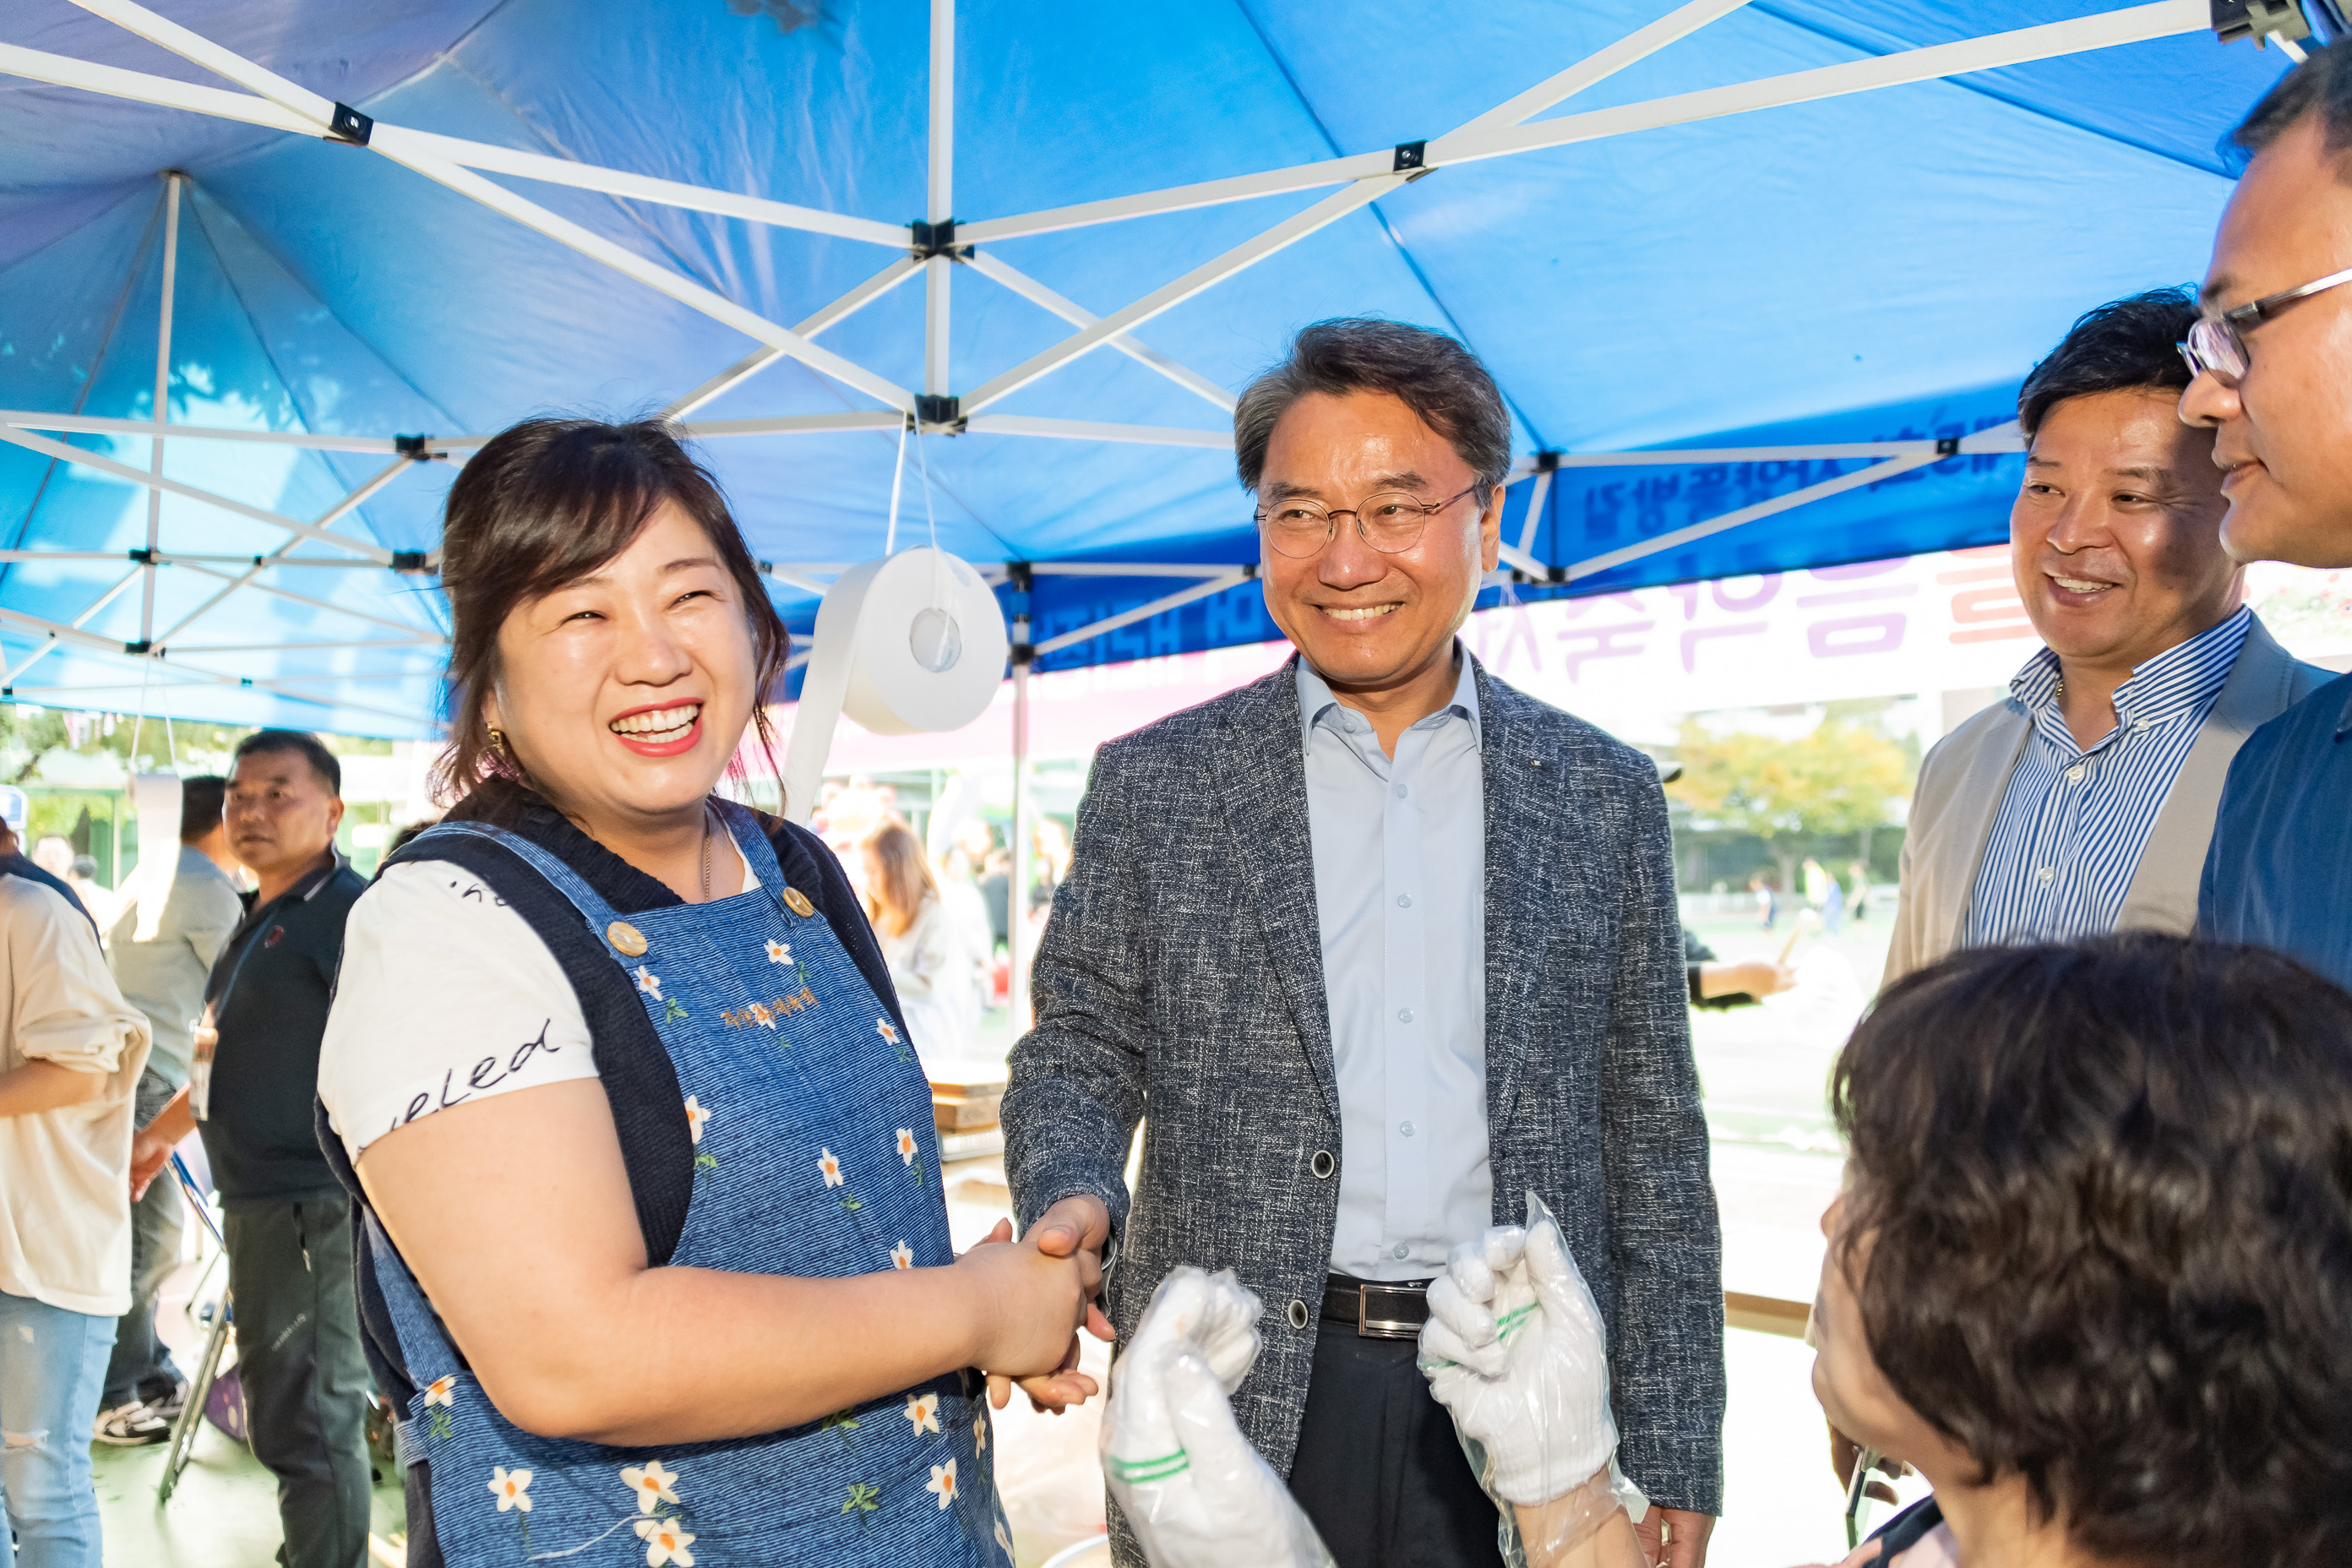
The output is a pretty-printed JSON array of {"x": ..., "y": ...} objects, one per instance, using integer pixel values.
[
  {"x": 926, "y": 240},
  {"x": 933, "y": 408},
  {"x": 1948, "y": 445},
  {"x": 410, "y": 563},
  {"x": 350, "y": 126}
]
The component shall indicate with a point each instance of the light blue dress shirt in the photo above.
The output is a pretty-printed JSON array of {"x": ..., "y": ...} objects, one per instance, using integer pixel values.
[
  {"x": 164, "y": 977},
  {"x": 1399, "y": 897}
]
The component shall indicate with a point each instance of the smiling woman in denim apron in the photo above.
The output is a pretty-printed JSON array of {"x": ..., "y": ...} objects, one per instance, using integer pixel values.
[{"x": 657, "y": 1264}]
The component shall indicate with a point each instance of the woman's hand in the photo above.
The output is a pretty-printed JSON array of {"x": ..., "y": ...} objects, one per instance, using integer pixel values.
[{"x": 1063, "y": 1384}]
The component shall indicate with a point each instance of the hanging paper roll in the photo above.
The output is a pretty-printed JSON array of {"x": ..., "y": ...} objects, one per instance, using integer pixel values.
[
  {"x": 910, "y": 643},
  {"x": 156, "y": 806}
]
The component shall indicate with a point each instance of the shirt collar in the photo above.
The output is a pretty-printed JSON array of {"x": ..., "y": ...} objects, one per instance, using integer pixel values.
[
  {"x": 2181, "y": 679},
  {"x": 303, "y": 891},
  {"x": 1317, "y": 704}
]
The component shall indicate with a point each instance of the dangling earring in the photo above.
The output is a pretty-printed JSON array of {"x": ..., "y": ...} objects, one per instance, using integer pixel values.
[{"x": 499, "y": 742}]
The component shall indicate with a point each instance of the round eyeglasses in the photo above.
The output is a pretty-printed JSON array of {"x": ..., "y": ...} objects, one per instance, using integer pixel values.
[
  {"x": 2216, "y": 346},
  {"x": 1391, "y": 521}
]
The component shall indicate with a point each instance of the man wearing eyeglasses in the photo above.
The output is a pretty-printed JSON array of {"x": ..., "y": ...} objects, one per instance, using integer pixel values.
[
  {"x": 2273, "y": 357},
  {"x": 1383, "y": 946}
]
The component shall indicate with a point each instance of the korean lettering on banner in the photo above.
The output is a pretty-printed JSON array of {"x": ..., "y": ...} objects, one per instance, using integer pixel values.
[{"x": 1985, "y": 605}]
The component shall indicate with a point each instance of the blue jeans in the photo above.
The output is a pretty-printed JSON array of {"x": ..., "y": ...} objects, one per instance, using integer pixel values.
[{"x": 51, "y": 1363}]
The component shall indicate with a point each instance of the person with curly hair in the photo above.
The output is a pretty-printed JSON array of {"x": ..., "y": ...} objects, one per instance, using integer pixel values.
[{"x": 2091, "y": 1274}]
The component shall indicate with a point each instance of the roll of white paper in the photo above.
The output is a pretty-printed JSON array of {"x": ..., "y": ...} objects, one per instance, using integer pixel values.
[
  {"x": 912, "y": 642},
  {"x": 155, "y": 806}
]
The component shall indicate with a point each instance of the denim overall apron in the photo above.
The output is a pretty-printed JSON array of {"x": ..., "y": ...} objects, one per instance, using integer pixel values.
[{"x": 814, "y": 1157}]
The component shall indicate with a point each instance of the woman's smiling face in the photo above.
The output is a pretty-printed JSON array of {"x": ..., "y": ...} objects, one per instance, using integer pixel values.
[{"x": 623, "y": 694}]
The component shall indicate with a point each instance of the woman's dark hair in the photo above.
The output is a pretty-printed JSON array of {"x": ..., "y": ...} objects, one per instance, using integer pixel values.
[
  {"x": 2108, "y": 1191},
  {"x": 545, "y": 503},
  {"x": 1436, "y": 377},
  {"x": 2125, "y": 345}
]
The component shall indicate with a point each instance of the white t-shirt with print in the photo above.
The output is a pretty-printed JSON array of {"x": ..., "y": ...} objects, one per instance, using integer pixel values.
[{"x": 446, "y": 997}]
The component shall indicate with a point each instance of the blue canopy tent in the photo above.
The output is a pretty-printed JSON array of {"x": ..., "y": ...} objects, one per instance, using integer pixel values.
[{"x": 1810, "y": 249}]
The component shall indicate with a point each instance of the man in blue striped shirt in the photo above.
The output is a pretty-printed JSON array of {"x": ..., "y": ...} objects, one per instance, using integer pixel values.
[{"x": 2083, "y": 801}]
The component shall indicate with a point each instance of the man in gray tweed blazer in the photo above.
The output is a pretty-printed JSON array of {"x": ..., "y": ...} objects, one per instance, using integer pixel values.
[{"x": 1374, "y": 948}]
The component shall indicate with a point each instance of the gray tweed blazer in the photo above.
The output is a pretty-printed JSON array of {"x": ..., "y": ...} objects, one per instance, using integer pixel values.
[{"x": 1181, "y": 976}]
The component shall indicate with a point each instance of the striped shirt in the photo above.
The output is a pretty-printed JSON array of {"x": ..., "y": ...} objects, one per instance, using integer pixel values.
[{"x": 2074, "y": 819}]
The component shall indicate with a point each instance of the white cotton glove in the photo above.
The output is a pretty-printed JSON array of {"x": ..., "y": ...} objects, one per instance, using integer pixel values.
[
  {"x": 1515, "y": 1349},
  {"x": 1195, "y": 1491}
]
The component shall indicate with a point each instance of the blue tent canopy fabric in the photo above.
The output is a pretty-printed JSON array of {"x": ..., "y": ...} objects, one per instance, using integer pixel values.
[{"x": 1880, "y": 267}]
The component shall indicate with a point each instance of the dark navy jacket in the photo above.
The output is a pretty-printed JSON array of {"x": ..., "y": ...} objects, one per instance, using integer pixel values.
[{"x": 2279, "y": 873}]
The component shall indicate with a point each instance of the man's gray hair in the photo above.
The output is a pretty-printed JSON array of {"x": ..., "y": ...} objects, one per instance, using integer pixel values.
[{"x": 1428, "y": 371}]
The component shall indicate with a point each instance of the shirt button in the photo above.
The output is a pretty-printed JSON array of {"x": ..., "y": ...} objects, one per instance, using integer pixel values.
[
  {"x": 1405, "y": 900},
  {"x": 2075, "y": 774},
  {"x": 2045, "y": 874},
  {"x": 1406, "y": 1128},
  {"x": 1401, "y": 1250},
  {"x": 1401, "y": 792},
  {"x": 1405, "y": 1014}
]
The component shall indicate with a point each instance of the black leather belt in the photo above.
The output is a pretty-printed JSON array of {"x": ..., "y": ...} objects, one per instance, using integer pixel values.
[{"x": 1379, "y": 1310}]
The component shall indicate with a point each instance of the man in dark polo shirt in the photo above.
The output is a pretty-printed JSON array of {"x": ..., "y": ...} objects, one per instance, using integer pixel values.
[{"x": 250, "y": 1087}]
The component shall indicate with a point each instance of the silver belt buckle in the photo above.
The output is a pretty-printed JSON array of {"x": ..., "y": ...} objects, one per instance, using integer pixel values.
[{"x": 1373, "y": 1320}]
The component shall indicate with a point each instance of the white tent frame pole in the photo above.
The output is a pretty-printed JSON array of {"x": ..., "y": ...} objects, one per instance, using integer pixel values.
[
  {"x": 939, "y": 196},
  {"x": 162, "y": 396},
  {"x": 8, "y": 677},
  {"x": 1016, "y": 893},
  {"x": 1137, "y": 568},
  {"x": 1168, "y": 296},
  {"x": 760, "y": 358},
  {"x": 1887, "y": 470},
  {"x": 1094, "y": 430},
  {"x": 342, "y": 508},
  {"x": 1537, "y": 494},
  {"x": 103, "y": 465},
  {"x": 2133, "y": 24},
  {"x": 327, "y": 605},
  {"x": 91, "y": 425},
  {"x": 1183, "y": 596},
  {"x": 71, "y": 635},
  {"x": 1602, "y": 64},
  {"x": 1372, "y": 183},
  {"x": 64, "y": 70},
  {"x": 990, "y": 266},
  {"x": 414, "y": 152},
  {"x": 798, "y": 423},
  {"x": 400, "y": 644}
]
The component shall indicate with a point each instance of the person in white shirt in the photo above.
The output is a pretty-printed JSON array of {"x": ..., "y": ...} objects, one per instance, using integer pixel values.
[
  {"x": 930, "y": 963},
  {"x": 72, "y": 1051}
]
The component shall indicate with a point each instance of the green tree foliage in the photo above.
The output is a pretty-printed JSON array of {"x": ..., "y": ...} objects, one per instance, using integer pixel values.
[{"x": 1841, "y": 778}]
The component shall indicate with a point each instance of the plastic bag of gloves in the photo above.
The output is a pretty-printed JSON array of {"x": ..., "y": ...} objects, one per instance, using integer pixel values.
[
  {"x": 1516, "y": 1350},
  {"x": 1197, "y": 1494}
]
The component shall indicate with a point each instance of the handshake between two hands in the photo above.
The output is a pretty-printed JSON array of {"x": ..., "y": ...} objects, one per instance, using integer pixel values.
[{"x": 1514, "y": 1348}]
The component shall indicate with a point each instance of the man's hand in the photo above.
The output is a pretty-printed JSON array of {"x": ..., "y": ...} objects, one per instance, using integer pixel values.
[
  {"x": 152, "y": 1146},
  {"x": 1675, "y": 1537},
  {"x": 1078, "y": 1225},
  {"x": 1757, "y": 977},
  {"x": 1845, "y": 1451},
  {"x": 148, "y": 1156}
]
